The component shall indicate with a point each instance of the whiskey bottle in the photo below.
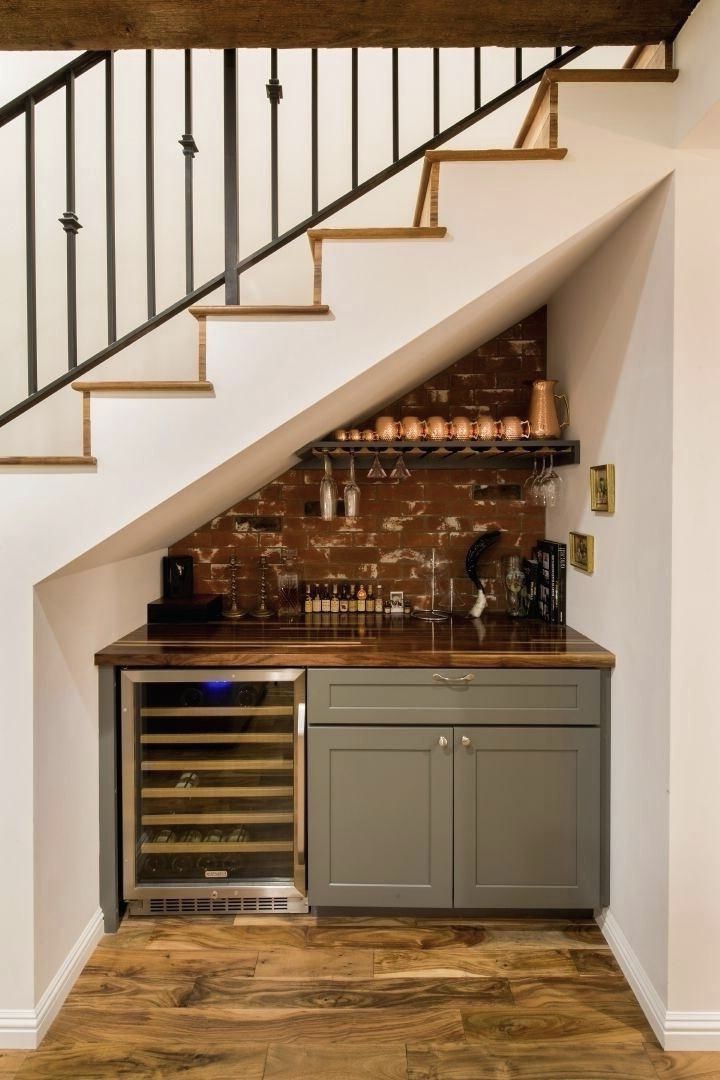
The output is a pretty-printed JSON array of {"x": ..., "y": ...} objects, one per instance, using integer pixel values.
[
  {"x": 308, "y": 600},
  {"x": 325, "y": 601},
  {"x": 379, "y": 601},
  {"x": 370, "y": 602},
  {"x": 316, "y": 601},
  {"x": 335, "y": 600},
  {"x": 361, "y": 599},
  {"x": 352, "y": 602},
  {"x": 344, "y": 598}
]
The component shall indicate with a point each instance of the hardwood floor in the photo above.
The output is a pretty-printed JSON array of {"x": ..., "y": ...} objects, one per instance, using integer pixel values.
[{"x": 366, "y": 998}]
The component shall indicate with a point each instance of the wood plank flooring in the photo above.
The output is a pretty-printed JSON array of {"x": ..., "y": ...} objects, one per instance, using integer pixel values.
[{"x": 353, "y": 998}]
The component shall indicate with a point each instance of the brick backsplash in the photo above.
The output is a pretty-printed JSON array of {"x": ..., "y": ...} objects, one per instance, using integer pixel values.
[{"x": 400, "y": 523}]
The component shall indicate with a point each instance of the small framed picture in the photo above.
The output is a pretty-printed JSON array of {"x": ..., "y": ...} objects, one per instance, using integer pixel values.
[
  {"x": 396, "y": 603},
  {"x": 602, "y": 489},
  {"x": 582, "y": 551}
]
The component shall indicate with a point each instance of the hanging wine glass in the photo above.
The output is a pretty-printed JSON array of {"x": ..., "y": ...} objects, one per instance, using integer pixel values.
[
  {"x": 376, "y": 471},
  {"x": 400, "y": 470},
  {"x": 537, "y": 496},
  {"x": 530, "y": 479},
  {"x": 328, "y": 492},
  {"x": 351, "y": 493},
  {"x": 552, "y": 485}
]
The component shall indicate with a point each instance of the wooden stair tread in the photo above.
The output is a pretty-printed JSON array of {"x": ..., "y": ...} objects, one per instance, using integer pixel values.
[
  {"x": 433, "y": 157},
  {"x": 411, "y": 232},
  {"x": 67, "y": 459},
  {"x": 231, "y": 310},
  {"x": 140, "y": 387},
  {"x": 595, "y": 75}
]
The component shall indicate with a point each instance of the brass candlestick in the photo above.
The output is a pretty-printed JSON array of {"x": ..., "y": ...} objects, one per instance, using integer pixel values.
[
  {"x": 234, "y": 611},
  {"x": 262, "y": 611}
]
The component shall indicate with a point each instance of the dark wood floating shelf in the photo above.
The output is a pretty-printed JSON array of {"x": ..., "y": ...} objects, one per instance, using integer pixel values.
[{"x": 453, "y": 454}]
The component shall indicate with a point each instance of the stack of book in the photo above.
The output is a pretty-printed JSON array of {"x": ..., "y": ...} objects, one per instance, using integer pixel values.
[{"x": 545, "y": 577}]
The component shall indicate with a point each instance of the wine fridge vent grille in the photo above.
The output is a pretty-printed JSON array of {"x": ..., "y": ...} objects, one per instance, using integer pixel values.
[{"x": 228, "y": 905}]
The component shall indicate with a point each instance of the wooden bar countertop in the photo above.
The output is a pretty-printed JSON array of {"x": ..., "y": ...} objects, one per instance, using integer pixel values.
[{"x": 495, "y": 641}]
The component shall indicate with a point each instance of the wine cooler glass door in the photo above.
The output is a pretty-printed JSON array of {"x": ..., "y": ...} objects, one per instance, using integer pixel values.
[{"x": 213, "y": 782}]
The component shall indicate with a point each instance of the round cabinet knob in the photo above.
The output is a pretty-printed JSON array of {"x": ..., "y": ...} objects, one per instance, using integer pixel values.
[
  {"x": 465, "y": 741},
  {"x": 442, "y": 741}
]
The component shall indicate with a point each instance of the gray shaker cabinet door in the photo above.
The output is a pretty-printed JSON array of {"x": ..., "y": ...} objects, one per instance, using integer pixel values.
[
  {"x": 380, "y": 816},
  {"x": 527, "y": 817}
]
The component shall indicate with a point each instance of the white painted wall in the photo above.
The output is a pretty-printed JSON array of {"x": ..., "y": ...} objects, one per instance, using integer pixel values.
[{"x": 610, "y": 332}]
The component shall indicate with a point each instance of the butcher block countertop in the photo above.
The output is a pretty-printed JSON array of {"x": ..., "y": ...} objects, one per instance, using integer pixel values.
[{"x": 495, "y": 641}]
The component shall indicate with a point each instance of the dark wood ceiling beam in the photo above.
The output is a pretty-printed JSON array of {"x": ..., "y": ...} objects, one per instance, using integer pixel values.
[{"x": 216, "y": 24}]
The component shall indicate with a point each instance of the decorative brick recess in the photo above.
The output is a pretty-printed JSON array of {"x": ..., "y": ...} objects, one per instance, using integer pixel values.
[{"x": 401, "y": 522}]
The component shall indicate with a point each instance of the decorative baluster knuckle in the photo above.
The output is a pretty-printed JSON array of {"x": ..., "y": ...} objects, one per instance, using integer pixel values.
[
  {"x": 70, "y": 222},
  {"x": 189, "y": 146},
  {"x": 274, "y": 90}
]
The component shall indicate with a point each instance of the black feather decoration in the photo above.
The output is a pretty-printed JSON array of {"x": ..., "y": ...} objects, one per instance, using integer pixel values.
[{"x": 476, "y": 552}]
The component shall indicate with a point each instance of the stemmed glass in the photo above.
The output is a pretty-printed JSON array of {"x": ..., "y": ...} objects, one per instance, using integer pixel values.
[
  {"x": 328, "y": 492},
  {"x": 530, "y": 480},
  {"x": 552, "y": 485},
  {"x": 376, "y": 471},
  {"x": 351, "y": 493},
  {"x": 536, "y": 487},
  {"x": 400, "y": 470}
]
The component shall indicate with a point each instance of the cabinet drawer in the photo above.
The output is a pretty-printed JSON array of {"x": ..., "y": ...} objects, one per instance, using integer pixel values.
[{"x": 425, "y": 696}]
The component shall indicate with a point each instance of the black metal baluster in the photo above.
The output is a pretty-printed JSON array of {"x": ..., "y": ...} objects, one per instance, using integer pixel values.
[
  {"x": 189, "y": 148},
  {"x": 110, "y": 196},
  {"x": 354, "y": 117},
  {"x": 30, "y": 244},
  {"x": 150, "y": 180},
  {"x": 395, "y": 105},
  {"x": 436, "y": 91},
  {"x": 69, "y": 219},
  {"x": 230, "y": 136},
  {"x": 274, "y": 93},
  {"x": 476, "y": 77},
  {"x": 558, "y": 52},
  {"x": 518, "y": 65},
  {"x": 314, "y": 127}
]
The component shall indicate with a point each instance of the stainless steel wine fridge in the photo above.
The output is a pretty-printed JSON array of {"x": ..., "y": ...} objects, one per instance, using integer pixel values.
[{"x": 213, "y": 791}]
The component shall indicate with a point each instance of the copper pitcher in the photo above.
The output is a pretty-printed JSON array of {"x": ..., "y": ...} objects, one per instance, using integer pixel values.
[{"x": 544, "y": 422}]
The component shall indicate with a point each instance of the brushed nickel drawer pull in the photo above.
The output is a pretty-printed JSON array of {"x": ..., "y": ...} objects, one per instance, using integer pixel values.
[
  {"x": 465, "y": 741},
  {"x": 446, "y": 678},
  {"x": 442, "y": 741}
]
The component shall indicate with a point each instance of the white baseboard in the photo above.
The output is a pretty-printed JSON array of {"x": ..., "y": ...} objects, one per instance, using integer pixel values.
[
  {"x": 24, "y": 1029},
  {"x": 674, "y": 1030}
]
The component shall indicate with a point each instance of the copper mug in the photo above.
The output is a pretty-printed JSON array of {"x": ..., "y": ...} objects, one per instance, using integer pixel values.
[
  {"x": 354, "y": 434},
  {"x": 437, "y": 428},
  {"x": 486, "y": 428},
  {"x": 368, "y": 434},
  {"x": 461, "y": 427},
  {"x": 388, "y": 429},
  {"x": 413, "y": 428},
  {"x": 512, "y": 427}
]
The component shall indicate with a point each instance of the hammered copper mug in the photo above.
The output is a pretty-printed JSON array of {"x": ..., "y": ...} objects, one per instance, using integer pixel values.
[
  {"x": 437, "y": 428},
  {"x": 461, "y": 427},
  {"x": 486, "y": 428},
  {"x": 413, "y": 428},
  {"x": 512, "y": 427},
  {"x": 387, "y": 428}
]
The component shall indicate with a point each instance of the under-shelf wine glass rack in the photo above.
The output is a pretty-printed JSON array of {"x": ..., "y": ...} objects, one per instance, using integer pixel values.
[{"x": 444, "y": 454}]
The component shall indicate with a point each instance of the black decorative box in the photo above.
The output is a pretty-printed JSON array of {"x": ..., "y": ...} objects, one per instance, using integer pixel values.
[{"x": 201, "y": 608}]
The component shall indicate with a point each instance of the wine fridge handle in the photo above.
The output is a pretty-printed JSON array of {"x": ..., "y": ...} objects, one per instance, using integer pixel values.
[
  {"x": 446, "y": 678},
  {"x": 300, "y": 786}
]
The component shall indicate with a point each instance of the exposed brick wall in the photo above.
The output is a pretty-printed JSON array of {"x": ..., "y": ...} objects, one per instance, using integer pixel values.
[{"x": 400, "y": 523}]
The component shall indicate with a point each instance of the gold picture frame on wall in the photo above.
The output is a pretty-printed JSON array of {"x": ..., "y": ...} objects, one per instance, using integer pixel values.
[
  {"x": 602, "y": 489},
  {"x": 582, "y": 551}
]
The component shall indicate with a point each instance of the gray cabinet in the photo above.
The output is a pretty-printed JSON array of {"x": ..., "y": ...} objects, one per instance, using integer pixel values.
[
  {"x": 527, "y": 817},
  {"x": 506, "y": 815},
  {"x": 380, "y": 817}
]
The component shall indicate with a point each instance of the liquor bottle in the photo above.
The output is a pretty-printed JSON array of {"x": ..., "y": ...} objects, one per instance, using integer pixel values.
[
  {"x": 370, "y": 602},
  {"x": 316, "y": 601},
  {"x": 361, "y": 599},
  {"x": 344, "y": 601},
  {"x": 308, "y": 600},
  {"x": 335, "y": 600},
  {"x": 379, "y": 601},
  {"x": 352, "y": 602},
  {"x": 325, "y": 601}
]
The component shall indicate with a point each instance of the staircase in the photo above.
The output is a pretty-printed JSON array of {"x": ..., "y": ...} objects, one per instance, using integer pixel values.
[{"x": 492, "y": 230}]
